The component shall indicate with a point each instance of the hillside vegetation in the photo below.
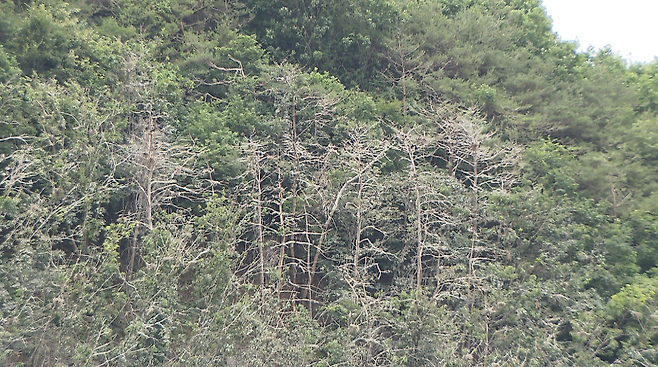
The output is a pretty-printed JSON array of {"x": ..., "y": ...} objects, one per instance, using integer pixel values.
[{"x": 322, "y": 183}]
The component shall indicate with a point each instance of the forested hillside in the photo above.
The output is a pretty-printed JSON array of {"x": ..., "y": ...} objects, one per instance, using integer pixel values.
[{"x": 322, "y": 183}]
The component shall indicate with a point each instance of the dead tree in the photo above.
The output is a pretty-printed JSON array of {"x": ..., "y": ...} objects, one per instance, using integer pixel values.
[
  {"x": 307, "y": 199},
  {"x": 431, "y": 208},
  {"x": 470, "y": 150},
  {"x": 302, "y": 110},
  {"x": 162, "y": 171},
  {"x": 257, "y": 175}
]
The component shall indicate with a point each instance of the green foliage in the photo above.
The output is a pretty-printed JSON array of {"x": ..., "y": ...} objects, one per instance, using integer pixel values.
[
  {"x": 341, "y": 37},
  {"x": 194, "y": 183},
  {"x": 644, "y": 77},
  {"x": 8, "y": 66},
  {"x": 49, "y": 40}
]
